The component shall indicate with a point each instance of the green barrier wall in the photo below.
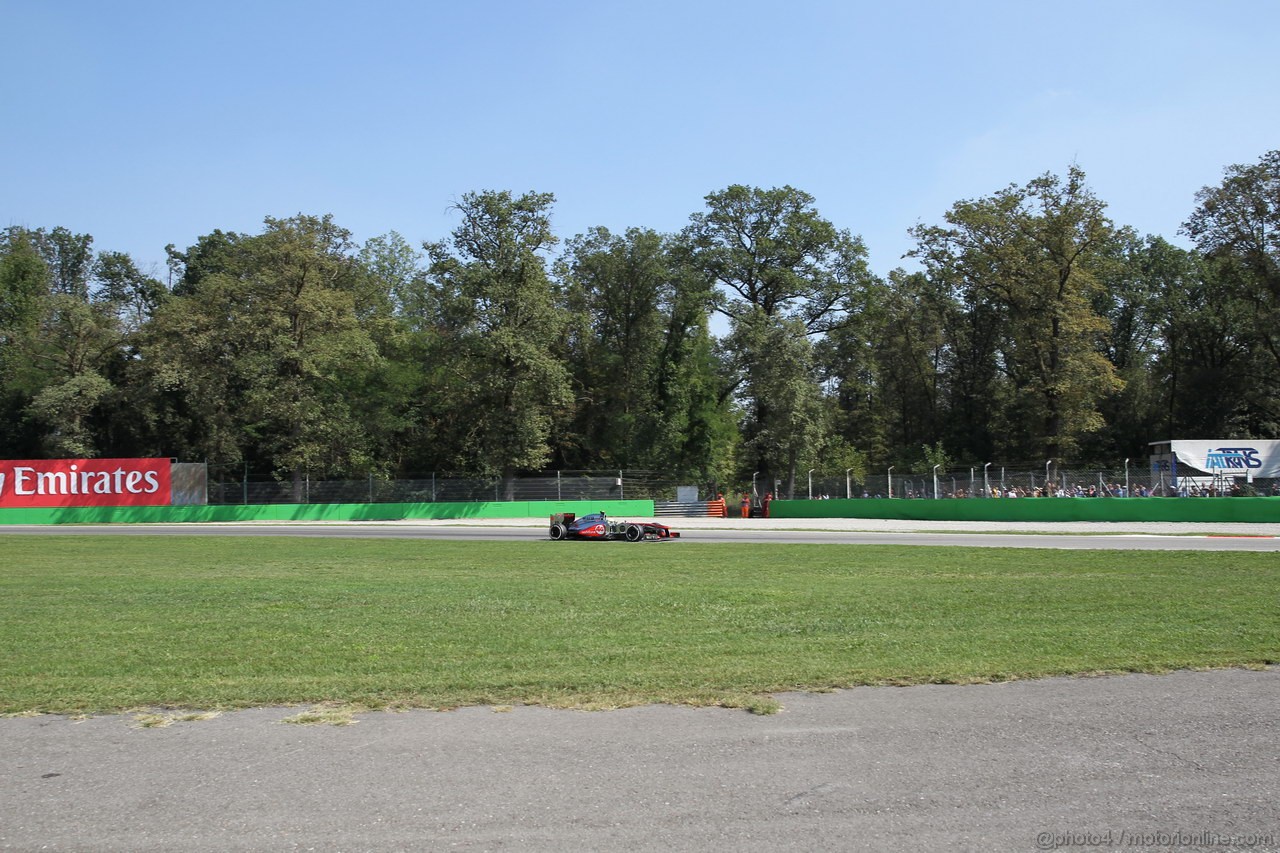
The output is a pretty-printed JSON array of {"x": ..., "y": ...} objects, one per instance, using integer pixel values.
[
  {"x": 1254, "y": 510},
  {"x": 317, "y": 512}
]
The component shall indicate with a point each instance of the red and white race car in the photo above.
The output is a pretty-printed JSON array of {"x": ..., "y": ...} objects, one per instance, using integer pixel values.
[{"x": 565, "y": 525}]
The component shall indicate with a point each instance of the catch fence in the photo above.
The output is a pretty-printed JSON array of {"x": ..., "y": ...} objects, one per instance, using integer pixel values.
[
  {"x": 1000, "y": 482},
  {"x": 229, "y": 486},
  {"x": 237, "y": 485}
]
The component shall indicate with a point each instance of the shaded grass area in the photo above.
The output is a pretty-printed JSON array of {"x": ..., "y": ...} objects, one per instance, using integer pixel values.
[{"x": 96, "y": 624}]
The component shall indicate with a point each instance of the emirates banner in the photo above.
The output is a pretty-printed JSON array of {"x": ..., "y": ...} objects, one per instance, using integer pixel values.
[
  {"x": 84, "y": 482},
  {"x": 1230, "y": 457}
]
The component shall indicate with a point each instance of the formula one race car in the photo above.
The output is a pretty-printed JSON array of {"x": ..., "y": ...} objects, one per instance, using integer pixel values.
[{"x": 564, "y": 525}]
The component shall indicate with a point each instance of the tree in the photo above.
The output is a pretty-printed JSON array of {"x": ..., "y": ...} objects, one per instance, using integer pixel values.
[
  {"x": 1031, "y": 256},
  {"x": 644, "y": 372},
  {"x": 1207, "y": 364},
  {"x": 887, "y": 369},
  {"x": 1238, "y": 222},
  {"x": 1142, "y": 284},
  {"x": 133, "y": 295},
  {"x": 778, "y": 357},
  {"x": 24, "y": 281},
  {"x": 1236, "y": 225},
  {"x": 503, "y": 320},
  {"x": 61, "y": 335},
  {"x": 618, "y": 287},
  {"x": 268, "y": 349},
  {"x": 69, "y": 258},
  {"x": 395, "y": 271},
  {"x": 785, "y": 273},
  {"x": 696, "y": 434}
]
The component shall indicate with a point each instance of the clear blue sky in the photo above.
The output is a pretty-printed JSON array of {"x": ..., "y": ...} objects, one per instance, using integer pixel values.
[{"x": 146, "y": 123}]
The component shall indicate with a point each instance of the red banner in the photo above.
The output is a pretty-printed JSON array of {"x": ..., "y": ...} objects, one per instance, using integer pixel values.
[{"x": 84, "y": 482}]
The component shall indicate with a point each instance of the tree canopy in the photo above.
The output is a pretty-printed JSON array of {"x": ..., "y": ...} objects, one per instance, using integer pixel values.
[{"x": 754, "y": 342}]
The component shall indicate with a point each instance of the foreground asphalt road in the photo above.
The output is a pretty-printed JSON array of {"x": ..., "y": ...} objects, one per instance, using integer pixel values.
[{"x": 1182, "y": 761}]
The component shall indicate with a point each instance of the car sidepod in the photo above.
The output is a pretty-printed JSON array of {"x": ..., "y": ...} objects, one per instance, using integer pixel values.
[{"x": 597, "y": 526}]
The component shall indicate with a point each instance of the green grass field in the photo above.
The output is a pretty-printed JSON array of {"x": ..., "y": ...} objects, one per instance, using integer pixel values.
[{"x": 97, "y": 624}]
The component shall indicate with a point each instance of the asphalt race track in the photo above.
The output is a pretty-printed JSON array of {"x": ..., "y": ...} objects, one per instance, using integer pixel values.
[{"x": 1131, "y": 537}]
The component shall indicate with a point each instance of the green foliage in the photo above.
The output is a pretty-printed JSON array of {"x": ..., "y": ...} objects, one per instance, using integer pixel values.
[
  {"x": 64, "y": 408},
  {"x": 775, "y": 255},
  {"x": 837, "y": 457},
  {"x": 266, "y": 347},
  {"x": 775, "y": 359},
  {"x": 785, "y": 273},
  {"x": 133, "y": 295},
  {"x": 395, "y": 279},
  {"x": 59, "y": 337},
  {"x": 1236, "y": 226},
  {"x": 1036, "y": 329},
  {"x": 504, "y": 319},
  {"x": 644, "y": 369},
  {"x": 68, "y": 258},
  {"x": 1030, "y": 256},
  {"x": 24, "y": 279},
  {"x": 935, "y": 455}
]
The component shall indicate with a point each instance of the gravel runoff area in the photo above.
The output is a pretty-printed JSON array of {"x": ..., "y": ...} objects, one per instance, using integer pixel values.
[{"x": 894, "y": 525}]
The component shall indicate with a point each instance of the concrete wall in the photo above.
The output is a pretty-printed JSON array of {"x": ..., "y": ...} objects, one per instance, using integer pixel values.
[{"x": 1252, "y": 510}]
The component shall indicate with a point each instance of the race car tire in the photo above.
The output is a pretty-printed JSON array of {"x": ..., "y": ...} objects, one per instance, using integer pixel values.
[
  {"x": 559, "y": 531},
  {"x": 634, "y": 533}
]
